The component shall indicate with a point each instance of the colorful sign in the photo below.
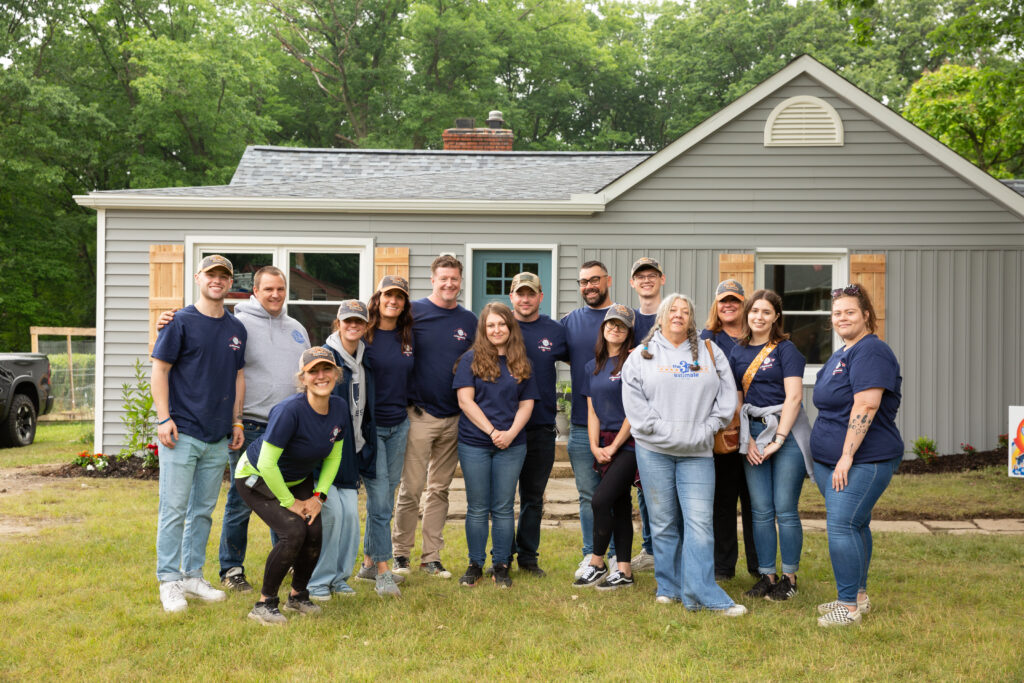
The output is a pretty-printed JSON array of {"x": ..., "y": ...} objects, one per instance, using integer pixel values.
[{"x": 1015, "y": 447}]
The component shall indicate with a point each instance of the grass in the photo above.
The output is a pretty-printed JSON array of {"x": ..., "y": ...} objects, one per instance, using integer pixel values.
[{"x": 55, "y": 442}]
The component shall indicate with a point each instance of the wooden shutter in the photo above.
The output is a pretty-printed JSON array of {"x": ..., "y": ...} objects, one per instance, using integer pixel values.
[
  {"x": 166, "y": 282},
  {"x": 390, "y": 261},
  {"x": 739, "y": 267},
  {"x": 869, "y": 271}
]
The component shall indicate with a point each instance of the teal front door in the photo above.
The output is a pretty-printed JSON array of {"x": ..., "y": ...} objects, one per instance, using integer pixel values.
[{"x": 493, "y": 271}]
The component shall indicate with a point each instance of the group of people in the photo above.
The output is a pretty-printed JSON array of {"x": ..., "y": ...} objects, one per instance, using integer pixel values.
[{"x": 403, "y": 391}]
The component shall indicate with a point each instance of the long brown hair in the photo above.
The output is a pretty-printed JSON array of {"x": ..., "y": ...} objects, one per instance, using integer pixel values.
[
  {"x": 601, "y": 349},
  {"x": 403, "y": 325},
  {"x": 775, "y": 334},
  {"x": 485, "y": 354}
]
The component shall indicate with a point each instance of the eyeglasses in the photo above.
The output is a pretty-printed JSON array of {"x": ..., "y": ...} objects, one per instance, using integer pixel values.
[
  {"x": 848, "y": 290},
  {"x": 650, "y": 277},
  {"x": 596, "y": 280}
]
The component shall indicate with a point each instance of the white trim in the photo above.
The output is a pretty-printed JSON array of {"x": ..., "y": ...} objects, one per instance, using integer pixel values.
[
  {"x": 506, "y": 246},
  {"x": 823, "y": 107},
  {"x": 576, "y": 205},
  {"x": 802, "y": 250},
  {"x": 883, "y": 115},
  {"x": 101, "y": 293}
]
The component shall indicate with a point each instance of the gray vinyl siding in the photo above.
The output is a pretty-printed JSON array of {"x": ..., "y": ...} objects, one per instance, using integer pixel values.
[{"x": 954, "y": 253}]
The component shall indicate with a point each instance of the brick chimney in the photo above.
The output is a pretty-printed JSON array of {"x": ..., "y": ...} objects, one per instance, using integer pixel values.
[{"x": 466, "y": 137}]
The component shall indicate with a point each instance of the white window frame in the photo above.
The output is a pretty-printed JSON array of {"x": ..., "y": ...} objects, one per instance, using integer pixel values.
[
  {"x": 838, "y": 259},
  {"x": 467, "y": 280},
  {"x": 281, "y": 254}
]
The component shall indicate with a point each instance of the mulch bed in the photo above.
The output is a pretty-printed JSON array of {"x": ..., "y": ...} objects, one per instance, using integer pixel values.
[{"x": 126, "y": 468}]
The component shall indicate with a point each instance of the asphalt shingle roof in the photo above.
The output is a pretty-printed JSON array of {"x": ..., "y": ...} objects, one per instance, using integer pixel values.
[{"x": 413, "y": 174}]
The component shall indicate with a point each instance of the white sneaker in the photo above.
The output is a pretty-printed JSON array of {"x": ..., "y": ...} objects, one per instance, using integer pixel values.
[
  {"x": 584, "y": 563},
  {"x": 642, "y": 562},
  {"x": 198, "y": 587},
  {"x": 172, "y": 597},
  {"x": 862, "y": 606},
  {"x": 734, "y": 611},
  {"x": 840, "y": 616},
  {"x": 664, "y": 600}
]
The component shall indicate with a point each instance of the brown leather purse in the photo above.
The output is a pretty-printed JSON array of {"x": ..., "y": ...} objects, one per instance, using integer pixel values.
[{"x": 727, "y": 439}]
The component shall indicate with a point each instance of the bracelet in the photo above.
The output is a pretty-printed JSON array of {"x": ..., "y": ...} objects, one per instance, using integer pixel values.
[
  {"x": 493, "y": 429},
  {"x": 238, "y": 424},
  {"x": 163, "y": 422}
]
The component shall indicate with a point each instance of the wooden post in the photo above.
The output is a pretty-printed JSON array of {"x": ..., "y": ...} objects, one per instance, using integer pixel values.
[{"x": 71, "y": 374}]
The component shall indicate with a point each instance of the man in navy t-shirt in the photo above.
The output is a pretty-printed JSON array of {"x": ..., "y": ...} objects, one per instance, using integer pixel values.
[
  {"x": 442, "y": 331},
  {"x": 545, "y": 343},
  {"x": 198, "y": 387},
  {"x": 581, "y": 329}
]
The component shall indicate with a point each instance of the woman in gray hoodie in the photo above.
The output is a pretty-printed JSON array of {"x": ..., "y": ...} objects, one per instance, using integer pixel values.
[{"x": 677, "y": 392}]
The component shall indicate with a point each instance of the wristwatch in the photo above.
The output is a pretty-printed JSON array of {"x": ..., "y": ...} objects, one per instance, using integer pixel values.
[
  {"x": 779, "y": 439},
  {"x": 320, "y": 496}
]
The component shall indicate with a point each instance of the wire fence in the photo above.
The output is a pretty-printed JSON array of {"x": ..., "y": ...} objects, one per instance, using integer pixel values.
[{"x": 73, "y": 377}]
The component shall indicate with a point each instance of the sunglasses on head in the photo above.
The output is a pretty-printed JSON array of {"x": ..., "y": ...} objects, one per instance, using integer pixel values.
[{"x": 848, "y": 290}]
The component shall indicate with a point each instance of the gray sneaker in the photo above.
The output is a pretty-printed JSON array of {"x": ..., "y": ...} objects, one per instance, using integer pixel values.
[
  {"x": 370, "y": 574},
  {"x": 301, "y": 603},
  {"x": 267, "y": 613},
  {"x": 386, "y": 585},
  {"x": 642, "y": 562}
]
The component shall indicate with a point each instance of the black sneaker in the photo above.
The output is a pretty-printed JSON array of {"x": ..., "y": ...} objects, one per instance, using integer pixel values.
[
  {"x": 401, "y": 565},
  {"x": 783, "y": 590},
  {"x": 435, "y": 568},
  {"x": 533, "y": 570},
  {"x": 472, "y": 575},
  {"x": 235, "y": 581},
  {"x": 590, "y": 576},
  {"x": 614, "y": 581},
  {"x": 301, "y": 603},
  {"x": 762, "y": 587},
  {"x": 501, "y": 577}
]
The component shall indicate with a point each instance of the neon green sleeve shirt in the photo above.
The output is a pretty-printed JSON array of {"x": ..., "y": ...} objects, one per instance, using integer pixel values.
[{"x": 267, "y": 468}]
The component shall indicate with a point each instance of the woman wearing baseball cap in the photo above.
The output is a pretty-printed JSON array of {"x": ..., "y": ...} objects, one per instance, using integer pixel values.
[{"x": 275, "y": 476}]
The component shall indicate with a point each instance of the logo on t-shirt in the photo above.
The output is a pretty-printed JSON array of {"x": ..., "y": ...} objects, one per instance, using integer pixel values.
[
  {"x": 297, "y": 336},
  {"x": 544, "y": 344},
  {"x": 840, "y": 367},
  {"x": 406, "y": 350},
  {"x": 335, "y": 433},
  {"x": 615, "y": 378},
  {"x": 767, "y": 364},
  {"x": 680, "y": 369},
  {"x": 235, "y": 344},
  {"x": 460, "y": 334}
]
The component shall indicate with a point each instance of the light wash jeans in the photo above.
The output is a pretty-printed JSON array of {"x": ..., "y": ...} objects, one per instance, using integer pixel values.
[
  {"x": 582, "y": 461},
  {"x": 680, "y": 493},
  {"x": 491, "y": 476},
  {"x": 848, "y": 520},
  {"x": 380, "y": 491},
  {"x": 190, "y": 478},
  {"x": 774, "y": 487},
  {"x": 340, "y": 541}
]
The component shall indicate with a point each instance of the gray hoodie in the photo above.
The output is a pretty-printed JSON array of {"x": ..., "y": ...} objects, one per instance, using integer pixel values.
[
  {"x": 356, "y": 397},
  {"x": 272, "y": 353},
  {"x": 672, "y": 408}
]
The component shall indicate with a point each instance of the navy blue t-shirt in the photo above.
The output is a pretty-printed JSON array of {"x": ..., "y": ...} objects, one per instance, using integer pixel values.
[
  {"x": 767, "y": 387},
  {"x": 605, "y": 392},
  {"x": 392, "y": 365},
  {"x": 868, "y": 364},
  {"x": 642, "y": 324},
  {"x": 207, "y": 354},
  {"x": 499, "y": 401},
  {"x": 723, "y": 341},
  {"x": 545, "y": 343},
  {"x": 440, "y": 336},
  {"x": 581, "y": 329},
  {"x": 305, "y": 436}
]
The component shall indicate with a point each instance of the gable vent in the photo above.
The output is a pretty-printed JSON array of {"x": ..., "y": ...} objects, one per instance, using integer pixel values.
[{"x": 803, "y": 121}]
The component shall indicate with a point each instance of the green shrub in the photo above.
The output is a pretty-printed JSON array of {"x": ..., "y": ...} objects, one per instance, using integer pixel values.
[
  {"x": 139, "y": 417},
  {"x": 925, "y": 448}
]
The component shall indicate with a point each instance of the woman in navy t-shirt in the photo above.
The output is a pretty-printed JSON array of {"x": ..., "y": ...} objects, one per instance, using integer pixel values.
[
  {"x": 389, "y": 350},
  {"x": 275, "y": 477},
  {"x": 771, "y": 411},
  {"x": 613, "y": 449},
  {"x": 856, "y": 446},
  {"x": 496, "y": 390}
]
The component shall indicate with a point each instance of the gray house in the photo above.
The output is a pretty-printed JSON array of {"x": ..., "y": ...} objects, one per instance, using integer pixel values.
[{"x": 803, "y": 184}]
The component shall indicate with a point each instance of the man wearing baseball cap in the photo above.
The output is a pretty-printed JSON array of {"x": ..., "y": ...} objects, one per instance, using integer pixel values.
[
  {"x": 545, "y": 343},
  {"x": 198, "y": 386}
]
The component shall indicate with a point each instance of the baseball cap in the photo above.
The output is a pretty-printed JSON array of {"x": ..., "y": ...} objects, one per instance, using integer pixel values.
[
  {"x": 353, "y": 308},
  {"x": 216, "y": 261},
  {"x": 389, "y": 282},
  {"x": 645, "y": 262},
  {"x": 317, "y": 354},
  {"x": 623, "y": 314},
  {"x": 526, "y": 280},
  {"x": 729, "y": 288}
]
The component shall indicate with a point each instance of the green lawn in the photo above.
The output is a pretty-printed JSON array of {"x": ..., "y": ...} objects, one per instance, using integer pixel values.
[{"x": 55, "y": 442}]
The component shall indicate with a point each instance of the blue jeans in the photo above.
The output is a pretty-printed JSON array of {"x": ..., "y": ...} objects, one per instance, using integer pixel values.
[
  {"x": 380, "y": 491},
  {"x": 190, "y": 478},
  {"x": 582, "y": 461},
  {"x": 340, "y": 541},
  {"x": 234, "y": 531},
  {"x": 491, "y": 476},
  {"x": 848, "y": 520},
  {"x": 774, "y": 487},
  {"x": 645, "y": 522},
  {"x": 680, "y": 494}
]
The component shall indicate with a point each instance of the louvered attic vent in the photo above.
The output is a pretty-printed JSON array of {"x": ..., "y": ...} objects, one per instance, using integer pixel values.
[{"x": 803, "y": 121}]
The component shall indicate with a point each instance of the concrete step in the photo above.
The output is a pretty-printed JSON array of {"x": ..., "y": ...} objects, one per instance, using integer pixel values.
[{"x": 560, "y": 470}]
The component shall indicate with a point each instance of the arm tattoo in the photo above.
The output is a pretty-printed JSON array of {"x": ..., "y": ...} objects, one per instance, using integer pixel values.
[{"x": 859, "y": 423}]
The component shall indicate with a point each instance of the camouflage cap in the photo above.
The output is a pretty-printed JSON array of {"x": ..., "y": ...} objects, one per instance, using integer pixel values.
[
  {"x": 623, "y": 314},
  {"x": 645, "y": 262},
  {"x": 526, "y": 280}
]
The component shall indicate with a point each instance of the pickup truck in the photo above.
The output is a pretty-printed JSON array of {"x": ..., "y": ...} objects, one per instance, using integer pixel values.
[{"x": 25, "y": 393}]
